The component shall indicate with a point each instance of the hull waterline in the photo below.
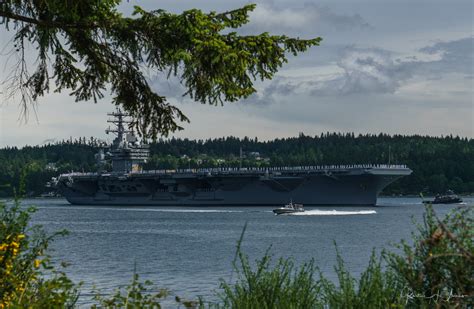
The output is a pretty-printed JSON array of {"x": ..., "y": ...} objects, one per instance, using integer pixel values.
[{"x": 312, "y": 186}]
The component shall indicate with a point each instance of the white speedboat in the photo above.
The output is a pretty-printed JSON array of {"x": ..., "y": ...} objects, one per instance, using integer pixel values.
[{"x": 289, "y": 209}]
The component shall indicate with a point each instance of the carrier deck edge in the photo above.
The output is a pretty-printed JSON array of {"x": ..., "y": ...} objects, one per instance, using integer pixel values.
[{"x": 127, "y": 184}]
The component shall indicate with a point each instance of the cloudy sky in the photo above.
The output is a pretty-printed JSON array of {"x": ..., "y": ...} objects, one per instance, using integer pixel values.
[{"x": 392, "y": 66}]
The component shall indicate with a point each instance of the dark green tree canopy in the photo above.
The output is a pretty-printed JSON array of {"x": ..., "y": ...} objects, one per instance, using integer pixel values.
[{"x": 88, "y": 47}]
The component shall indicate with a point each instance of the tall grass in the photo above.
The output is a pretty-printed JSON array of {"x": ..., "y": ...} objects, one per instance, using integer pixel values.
[
  {"x": 375, "y": 288},
  {"x": 284, "y": 285},
  {"x": 264, "y": 286}
]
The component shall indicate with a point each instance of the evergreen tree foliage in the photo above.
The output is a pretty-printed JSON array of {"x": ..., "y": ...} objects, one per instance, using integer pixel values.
[
  {"x": 438, "y": 163},
  {"x": 89, "y": 47}
]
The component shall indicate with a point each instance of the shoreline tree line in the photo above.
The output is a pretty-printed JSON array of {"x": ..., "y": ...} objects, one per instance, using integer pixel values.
[{"x": 438, "y": 163}]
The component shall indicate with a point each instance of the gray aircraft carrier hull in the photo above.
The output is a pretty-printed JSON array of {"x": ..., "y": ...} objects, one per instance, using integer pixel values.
[{"x": 336, "y": 185}]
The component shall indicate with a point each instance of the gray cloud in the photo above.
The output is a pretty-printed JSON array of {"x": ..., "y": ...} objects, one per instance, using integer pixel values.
[
  {"x": 309, "y": 18},
  {"x": 455, "y": 57},
  {"x": 359, "y": 71},
  {"x": 340, "y": 22},
  {"x": 169, "y": 87},
  {"x": 370, "y": 70},
  {"x": 375, "y": 71}
]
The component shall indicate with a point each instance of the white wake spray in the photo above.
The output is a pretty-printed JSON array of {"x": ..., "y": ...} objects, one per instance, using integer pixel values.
[
  {"x": 122, "y": 208},
  {"x": 316, "y": 212}
]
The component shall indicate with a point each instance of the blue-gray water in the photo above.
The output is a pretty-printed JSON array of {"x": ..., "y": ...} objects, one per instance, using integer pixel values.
[{"x": 188, "y": 250}]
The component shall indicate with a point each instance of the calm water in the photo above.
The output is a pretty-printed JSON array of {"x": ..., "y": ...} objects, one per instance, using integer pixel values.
[{"x": 189, "y": 249}]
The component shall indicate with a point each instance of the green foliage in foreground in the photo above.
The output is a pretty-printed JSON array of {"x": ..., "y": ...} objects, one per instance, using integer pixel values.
[
  {"x": 376, "y": 288},
  {"x": 436, "y": 271},
  {"x": 89, "y": 48},
  {"x": 264, "y": 286},
  {"x": 28, "y": 279},
  {"x": 439, "y": 266}
]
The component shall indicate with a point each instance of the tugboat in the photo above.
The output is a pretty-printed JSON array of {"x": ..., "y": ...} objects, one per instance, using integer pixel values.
[
  {"x": 448, "y": 198},
  {"x": 289, "y": 208}
]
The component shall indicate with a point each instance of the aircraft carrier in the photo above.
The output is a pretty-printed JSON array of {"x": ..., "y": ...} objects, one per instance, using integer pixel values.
[{"x": 128, "y": 184}]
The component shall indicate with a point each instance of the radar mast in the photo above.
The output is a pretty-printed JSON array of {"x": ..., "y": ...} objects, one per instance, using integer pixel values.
[{"x": 126, "y": 152}]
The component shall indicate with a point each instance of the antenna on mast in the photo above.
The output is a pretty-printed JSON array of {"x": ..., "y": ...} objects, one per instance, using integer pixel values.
[
  {"x": 126, "y": 152},
  {"x": 119, "y": 120}
]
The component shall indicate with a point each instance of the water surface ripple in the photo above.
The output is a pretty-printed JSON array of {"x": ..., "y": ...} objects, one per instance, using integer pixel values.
[{"x": 188, "y": 249}]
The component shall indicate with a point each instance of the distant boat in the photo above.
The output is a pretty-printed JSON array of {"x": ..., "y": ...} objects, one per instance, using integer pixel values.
[
  {"x": 448, "y": 198},
  {"x": 289, "y": 209}
]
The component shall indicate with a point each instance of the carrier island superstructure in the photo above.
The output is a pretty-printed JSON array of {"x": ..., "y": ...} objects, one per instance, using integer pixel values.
[{"x": 129, "y": 184}]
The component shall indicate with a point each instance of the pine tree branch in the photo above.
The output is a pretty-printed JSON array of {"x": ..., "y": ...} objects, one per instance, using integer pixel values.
[{"x": 45, "y": 23}]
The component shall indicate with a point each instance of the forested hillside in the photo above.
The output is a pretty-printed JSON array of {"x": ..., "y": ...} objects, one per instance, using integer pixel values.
[{"x": 438, "y": 163}]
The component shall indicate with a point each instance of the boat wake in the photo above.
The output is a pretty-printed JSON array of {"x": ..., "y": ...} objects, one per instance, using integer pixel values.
[
  {"x": 316, "y": 212},
  {"x": 187, "y": 210},
  {"x": 118, "y": 208}
]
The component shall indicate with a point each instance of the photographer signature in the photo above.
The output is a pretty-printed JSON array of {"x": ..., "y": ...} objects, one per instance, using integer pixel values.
[{"x": 435, "y": 297}]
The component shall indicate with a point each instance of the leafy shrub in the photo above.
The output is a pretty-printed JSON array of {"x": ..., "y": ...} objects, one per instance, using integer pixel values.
[
  {"x": 27, "y": 276},
  {"x": 439, "y": 267}
]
